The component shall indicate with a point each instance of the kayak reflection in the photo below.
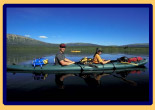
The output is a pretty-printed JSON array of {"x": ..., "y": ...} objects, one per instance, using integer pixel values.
[{"x": 91, "y": 78}]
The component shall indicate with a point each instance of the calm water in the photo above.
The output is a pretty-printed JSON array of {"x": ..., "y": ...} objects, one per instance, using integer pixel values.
[{"x": 129, "y": 85}]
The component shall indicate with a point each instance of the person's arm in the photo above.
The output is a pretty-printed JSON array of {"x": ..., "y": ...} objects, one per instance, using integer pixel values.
[
  {"x": 62, "y": 62},
  {"x": 67, "y": 60}
]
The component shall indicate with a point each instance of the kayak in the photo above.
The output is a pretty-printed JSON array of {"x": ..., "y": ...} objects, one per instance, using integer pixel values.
[
  {"x": 136, "y": 69},
  {"x": 78, "y": 67}
]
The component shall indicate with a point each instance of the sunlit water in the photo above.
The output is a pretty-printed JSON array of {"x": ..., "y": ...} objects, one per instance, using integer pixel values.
[{"x": 132, "y": 85}]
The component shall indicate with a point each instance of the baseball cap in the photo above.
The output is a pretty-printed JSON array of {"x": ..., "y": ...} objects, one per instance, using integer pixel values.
[{"x": 62, "y": 46}]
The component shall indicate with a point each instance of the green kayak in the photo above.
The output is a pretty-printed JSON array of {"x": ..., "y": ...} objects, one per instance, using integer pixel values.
[
  {"x": 78, "y": 67},
  {"x": 143, "y": 68}
]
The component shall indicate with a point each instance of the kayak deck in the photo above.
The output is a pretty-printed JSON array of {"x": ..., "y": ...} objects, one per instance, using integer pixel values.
[{"x": 77, "y": 67}]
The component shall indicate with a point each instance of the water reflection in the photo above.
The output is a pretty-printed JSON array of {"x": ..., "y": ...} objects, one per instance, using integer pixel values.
[
  {"x": 39, "y": 76},
  {"x": 123, "y": 76},
  {"x": 59, "y": 79},
  {"x": 91, "y": 78}
]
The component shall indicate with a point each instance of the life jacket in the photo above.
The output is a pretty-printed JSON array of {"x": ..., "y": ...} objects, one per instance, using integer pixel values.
[
  {"x": 86, "y": 60},
  {"x": 135, "y": 59},
  {"x": 39, "y": 62}
]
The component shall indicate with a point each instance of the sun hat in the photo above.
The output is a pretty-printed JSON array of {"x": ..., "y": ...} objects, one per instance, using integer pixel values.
[{"x": 99, "y": 50}]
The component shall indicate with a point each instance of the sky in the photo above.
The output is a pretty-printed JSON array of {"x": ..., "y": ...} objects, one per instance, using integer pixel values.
[{"x": 103, "y": 26}]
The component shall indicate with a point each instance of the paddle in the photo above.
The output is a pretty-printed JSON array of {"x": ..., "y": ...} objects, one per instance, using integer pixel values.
[
  {"x": 128, "y": 81},
  {"x": 113, "y": 61},
  {"x": 91, "y": 65},
  {"x": 129, "y": 63}
]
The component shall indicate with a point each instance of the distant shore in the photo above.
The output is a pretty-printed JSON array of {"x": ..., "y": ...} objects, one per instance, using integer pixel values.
[{"x": 82, "y": 49}]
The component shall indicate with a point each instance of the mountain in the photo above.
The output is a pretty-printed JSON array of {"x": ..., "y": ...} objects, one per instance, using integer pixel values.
[
  {"x": 81, "y": 44},
  {"x": 137, "y": 45},
  {"x": 18, "y": 40}
]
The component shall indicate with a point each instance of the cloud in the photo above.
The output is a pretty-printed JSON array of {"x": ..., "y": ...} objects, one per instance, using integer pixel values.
[
  {"x": 27, "y": 35},
  {"x": 43, "y": 37}
]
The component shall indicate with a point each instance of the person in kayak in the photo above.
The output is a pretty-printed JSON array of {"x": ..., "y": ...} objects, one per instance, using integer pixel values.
[
  {"x": 97, "y": 58},
  {"x": 60, "y": 57}
]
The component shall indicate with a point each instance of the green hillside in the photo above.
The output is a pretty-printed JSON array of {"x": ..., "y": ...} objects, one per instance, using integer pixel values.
[{"x": 138, "y": 45}]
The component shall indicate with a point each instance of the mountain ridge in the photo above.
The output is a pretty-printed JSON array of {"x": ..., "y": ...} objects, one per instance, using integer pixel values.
[{"x": 18, "y": 40}]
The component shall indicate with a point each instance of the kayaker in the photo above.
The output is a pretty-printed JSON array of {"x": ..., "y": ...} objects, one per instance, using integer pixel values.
[
  {"x": 60, "y": 58},
  {"x": 97, "y": 58}
]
